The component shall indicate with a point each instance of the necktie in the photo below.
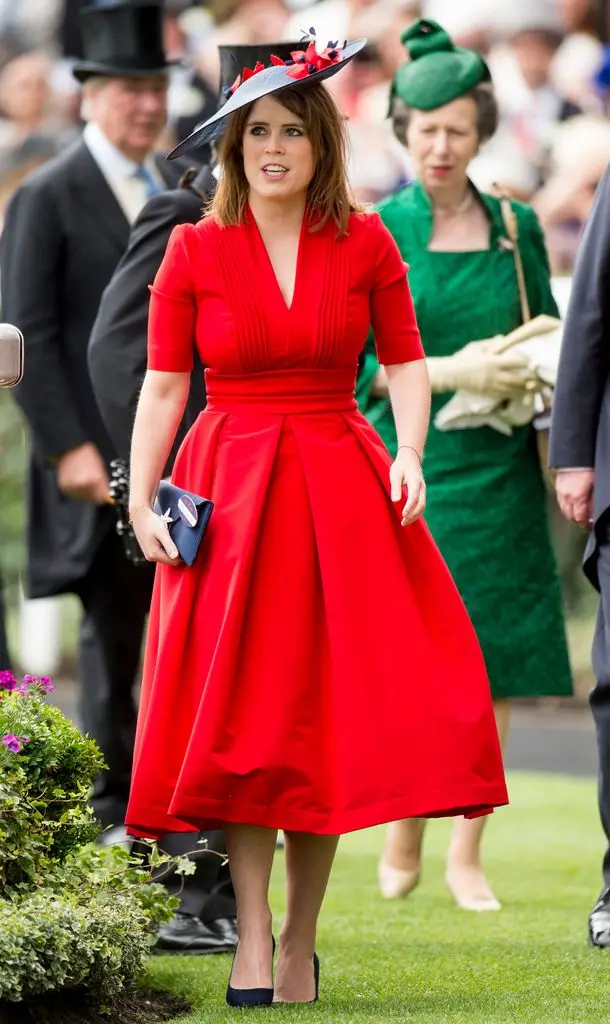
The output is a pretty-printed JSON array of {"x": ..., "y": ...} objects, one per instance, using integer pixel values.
[{"x": 152, "y": 186}]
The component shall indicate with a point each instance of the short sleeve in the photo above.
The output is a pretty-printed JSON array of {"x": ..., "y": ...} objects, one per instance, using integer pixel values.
[
  {"x": 173, "y": 308},
  {"x": 397, "y": 337}
]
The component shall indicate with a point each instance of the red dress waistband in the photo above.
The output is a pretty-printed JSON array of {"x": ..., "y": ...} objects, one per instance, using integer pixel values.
[{"x": 283, "y": 391}]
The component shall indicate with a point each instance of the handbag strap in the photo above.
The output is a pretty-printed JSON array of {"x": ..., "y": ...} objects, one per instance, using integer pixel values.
[{"x": 510, "y": 224}]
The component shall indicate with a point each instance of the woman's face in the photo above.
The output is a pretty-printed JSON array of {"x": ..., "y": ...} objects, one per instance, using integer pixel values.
[
  {"x": 278, "y": 156},
  {"x": 442, "y": 143}
]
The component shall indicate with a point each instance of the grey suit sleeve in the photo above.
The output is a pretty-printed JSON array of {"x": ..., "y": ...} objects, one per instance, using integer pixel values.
[
  {"x": 31, "y": 261},
  {"x": 117, "y": 347},
  {"x": 583, "y": 366}
]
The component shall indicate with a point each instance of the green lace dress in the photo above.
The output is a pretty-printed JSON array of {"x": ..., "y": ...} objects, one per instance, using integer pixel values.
[{"x": 486, "y": 497}]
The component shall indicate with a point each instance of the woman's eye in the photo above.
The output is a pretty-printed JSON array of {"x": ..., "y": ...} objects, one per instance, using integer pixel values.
[
  {"x": 294, "y": 131},
  {"x": 257, "y": 130}
]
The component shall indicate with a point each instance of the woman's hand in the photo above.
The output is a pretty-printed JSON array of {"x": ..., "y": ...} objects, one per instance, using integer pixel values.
[
  {"x": 482, "y": 370},
  {"x": 153, "y": 536},
  {"x": 406, "y": 471}
]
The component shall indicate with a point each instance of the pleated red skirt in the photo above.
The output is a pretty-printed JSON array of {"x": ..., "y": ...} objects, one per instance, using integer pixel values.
[{"x": 315, "y": 670}]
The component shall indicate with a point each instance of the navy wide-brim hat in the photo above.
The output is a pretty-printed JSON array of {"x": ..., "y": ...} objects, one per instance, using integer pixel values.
[
  {"x": 123, "y": 39},
  {"x": 303, "y": 68}
]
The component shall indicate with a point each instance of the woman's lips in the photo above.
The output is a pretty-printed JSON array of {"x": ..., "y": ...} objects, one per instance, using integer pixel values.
[{"x": 274, "y": 171}]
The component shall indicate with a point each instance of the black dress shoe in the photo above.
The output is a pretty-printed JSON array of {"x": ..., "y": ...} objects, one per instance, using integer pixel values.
[
  {"x": 188, "y": 936},
  {"x": 226, "y": 928},
  {"x": 599, "y": 921}
]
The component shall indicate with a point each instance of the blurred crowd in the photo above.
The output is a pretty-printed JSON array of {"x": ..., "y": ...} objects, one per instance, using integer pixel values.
[{"x": 546, "y": 58}]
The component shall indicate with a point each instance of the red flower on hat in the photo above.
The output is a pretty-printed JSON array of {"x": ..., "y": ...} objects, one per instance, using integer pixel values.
[
  {"x": 303, "y": 64},
  {"x": 308, "y": 62},
  {"x": 244, "y": 75}
]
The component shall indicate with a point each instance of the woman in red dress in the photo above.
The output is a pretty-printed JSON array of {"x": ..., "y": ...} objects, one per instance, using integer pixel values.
[{"x": 280, "y": 691}]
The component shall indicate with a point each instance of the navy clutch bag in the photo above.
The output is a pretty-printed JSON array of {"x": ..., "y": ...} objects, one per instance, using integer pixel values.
[{"x": 187, "y": 516}]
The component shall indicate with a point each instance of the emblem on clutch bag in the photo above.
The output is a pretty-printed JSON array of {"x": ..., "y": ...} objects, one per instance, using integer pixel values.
[{"x": 187, "y": 510}]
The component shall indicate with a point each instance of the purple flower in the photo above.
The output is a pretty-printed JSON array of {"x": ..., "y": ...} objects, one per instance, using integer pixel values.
[
  {"x": 14, "y": 743},
  {"x": 7, "y": 681},
  {"x": 43, "y": 682}
]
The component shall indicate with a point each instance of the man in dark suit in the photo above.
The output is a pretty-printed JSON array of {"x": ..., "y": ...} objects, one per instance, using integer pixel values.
[
  {"x": 580, "y": 451},
  {"x": 117, "y": 348},
  {"x": 65, "y": 231}
]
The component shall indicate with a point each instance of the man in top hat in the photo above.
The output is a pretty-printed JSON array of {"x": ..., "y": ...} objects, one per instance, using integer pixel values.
[{"x": 65, "y": 231}]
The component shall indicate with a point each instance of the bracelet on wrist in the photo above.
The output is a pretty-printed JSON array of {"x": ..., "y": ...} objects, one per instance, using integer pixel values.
[
  {"x": 411, "y": 448},
  {"x": 136, "y": 508}
]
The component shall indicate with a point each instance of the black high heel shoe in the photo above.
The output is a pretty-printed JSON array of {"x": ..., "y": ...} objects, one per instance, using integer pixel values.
[
  {"x": 316, "y": 975},
  {"x": 248, "y": 997}
]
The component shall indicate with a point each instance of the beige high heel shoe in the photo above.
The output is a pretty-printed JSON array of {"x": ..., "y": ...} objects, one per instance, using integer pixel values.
[
  {"x": 395, "y": 883},
  {"x": 479, "y": 901}
]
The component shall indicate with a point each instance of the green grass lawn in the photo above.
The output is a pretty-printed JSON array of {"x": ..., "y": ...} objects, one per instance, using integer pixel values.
[{"x": 422, "y": 960}]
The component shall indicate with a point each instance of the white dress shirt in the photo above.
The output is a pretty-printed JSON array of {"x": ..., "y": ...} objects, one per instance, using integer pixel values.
[{"x": 119, "y": 171}]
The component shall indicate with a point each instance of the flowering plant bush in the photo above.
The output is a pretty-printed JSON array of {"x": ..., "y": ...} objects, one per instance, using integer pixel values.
[
  {"x": 72, "y": 915},
  {"x": 46, "y": 771}
]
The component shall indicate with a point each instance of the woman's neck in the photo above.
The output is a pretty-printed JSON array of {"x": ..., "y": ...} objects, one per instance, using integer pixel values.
[
  {"x": 453, "y": 200},
  {"x": 276, "y": 212}
]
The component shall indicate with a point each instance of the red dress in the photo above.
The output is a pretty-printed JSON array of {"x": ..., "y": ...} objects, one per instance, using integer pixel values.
[{"x": 283, "y": 685}]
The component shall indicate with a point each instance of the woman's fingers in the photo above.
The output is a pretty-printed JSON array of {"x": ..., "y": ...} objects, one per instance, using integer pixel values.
[
  {"x": 155, "y": 540},
  {"x": 396, "y": 482},
  {"x": 167, "y": 543},
  {"x": 516, "y": 383},
  {"x": 406, "y": 473},
  {"x": 415, "y": 504}
]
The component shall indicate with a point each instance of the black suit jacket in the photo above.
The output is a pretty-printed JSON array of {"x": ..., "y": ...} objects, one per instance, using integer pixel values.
[
  {"x": 117, "y": 349},
  {"x": 64, "y": 234},
  {"x": 580, "y": 430}
]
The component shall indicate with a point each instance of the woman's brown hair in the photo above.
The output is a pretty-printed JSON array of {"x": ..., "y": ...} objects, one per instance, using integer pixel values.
[{"x": 329, "y": 195}]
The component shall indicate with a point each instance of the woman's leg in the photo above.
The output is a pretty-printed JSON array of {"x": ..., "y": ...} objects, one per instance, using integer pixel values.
[
  {"x": 250, "y": 851},
  {"x": 399, "y": 865},
  {"x": 309, "y": 859},
  {"x": 464, "y": 876}
]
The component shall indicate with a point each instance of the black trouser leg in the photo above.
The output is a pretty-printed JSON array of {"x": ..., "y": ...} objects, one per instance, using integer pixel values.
[
  {"x": 600, "y": 697},
  {"x": 208, "y": 894},
  {"x": 116, "y": 598}
]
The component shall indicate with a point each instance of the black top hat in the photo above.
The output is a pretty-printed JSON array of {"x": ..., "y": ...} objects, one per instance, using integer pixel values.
[
  {"x": 305, "y": 64},
  {"x": 122, "y": 39}
]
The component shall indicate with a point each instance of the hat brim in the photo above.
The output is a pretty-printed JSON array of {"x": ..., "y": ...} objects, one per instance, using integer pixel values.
[
  {"x": 89, "y": 69},
  {"x": 271, "y": 80}
]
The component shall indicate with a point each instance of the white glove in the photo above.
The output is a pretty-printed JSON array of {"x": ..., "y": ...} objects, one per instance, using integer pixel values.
[{"x": 480, "y": 369}]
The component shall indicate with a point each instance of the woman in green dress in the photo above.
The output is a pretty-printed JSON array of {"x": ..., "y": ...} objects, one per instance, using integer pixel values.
[{"x": 486, "y": 495}]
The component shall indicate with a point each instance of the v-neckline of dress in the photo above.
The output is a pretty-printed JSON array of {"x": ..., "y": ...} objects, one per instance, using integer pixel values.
[{"x": 271, "y": 271}]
